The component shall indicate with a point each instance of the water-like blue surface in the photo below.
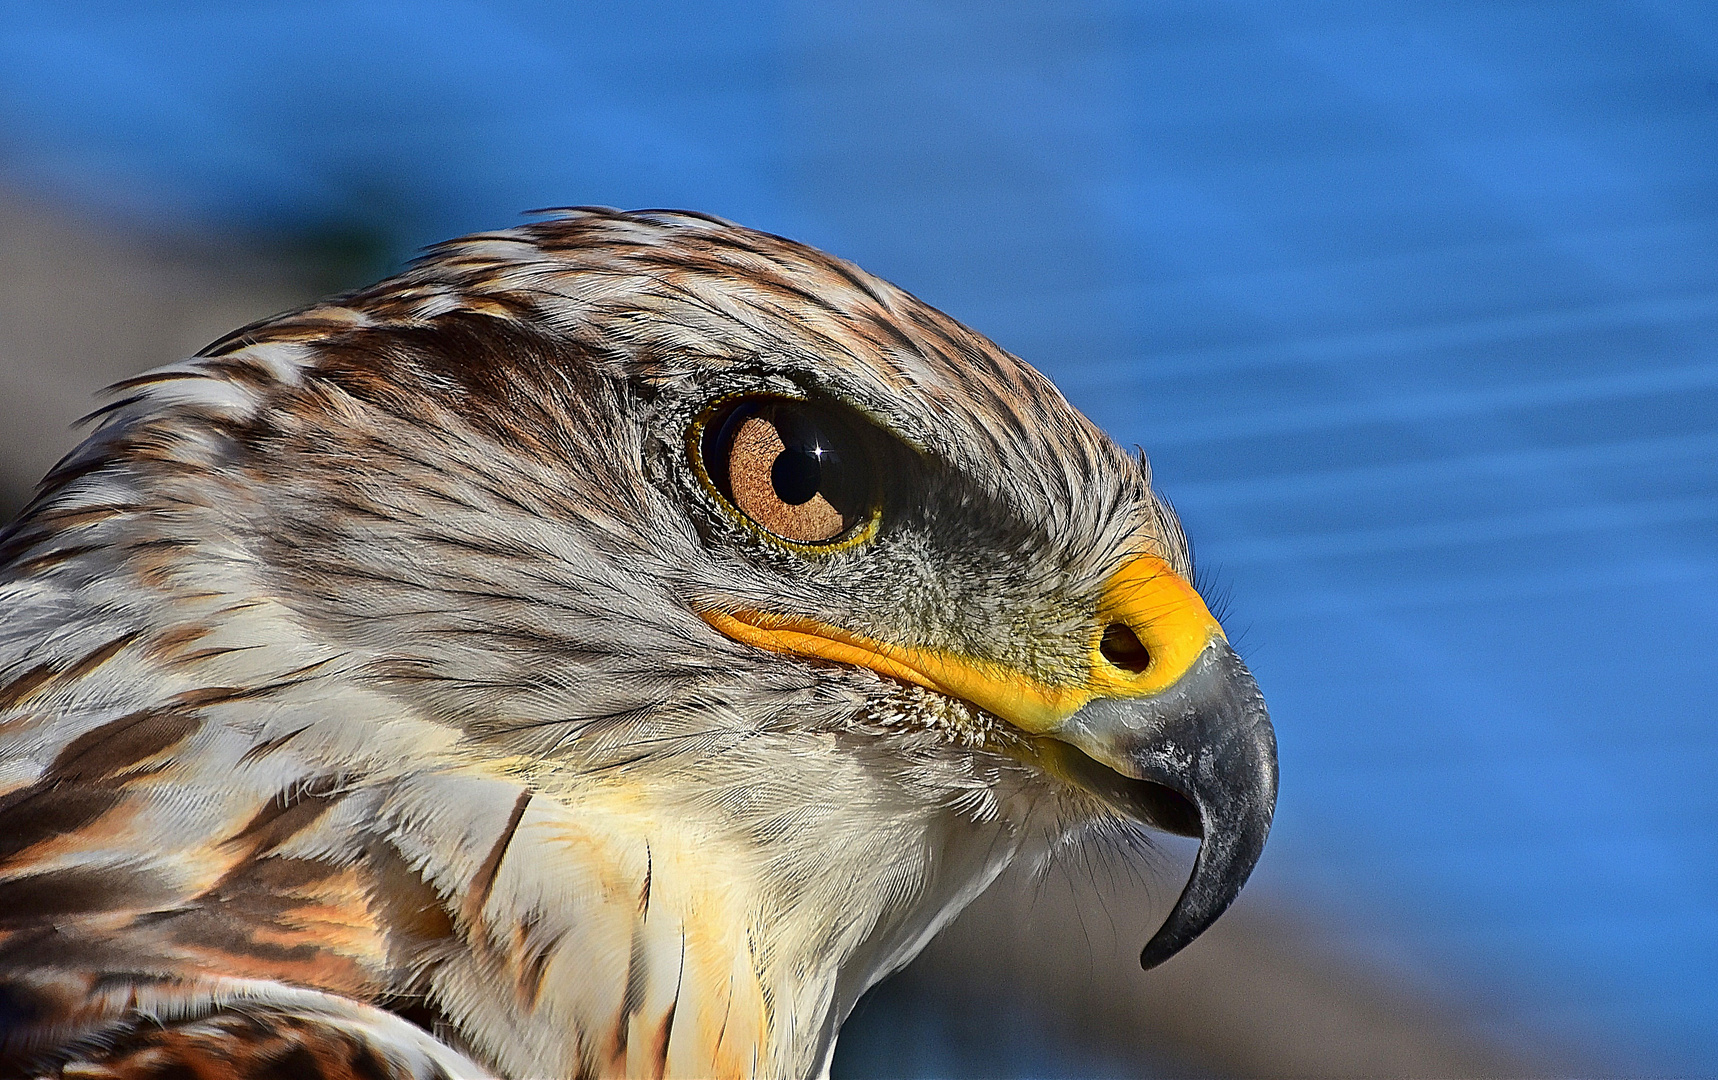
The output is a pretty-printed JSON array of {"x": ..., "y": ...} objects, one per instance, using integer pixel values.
[{"x": 1415, "y": 306}]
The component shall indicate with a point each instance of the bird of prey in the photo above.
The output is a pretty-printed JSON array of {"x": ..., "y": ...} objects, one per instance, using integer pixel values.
[{"x": 606, "y": 648}]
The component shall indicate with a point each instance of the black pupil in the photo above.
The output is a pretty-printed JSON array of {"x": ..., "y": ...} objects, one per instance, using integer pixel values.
[{"x": 796, "y": 475}]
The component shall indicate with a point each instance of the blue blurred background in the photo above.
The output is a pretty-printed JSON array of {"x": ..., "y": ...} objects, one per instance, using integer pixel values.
[{"x": 1413, "y": 306}]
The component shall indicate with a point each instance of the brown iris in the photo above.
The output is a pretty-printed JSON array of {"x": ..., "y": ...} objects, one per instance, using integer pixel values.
[{"x": 793, "y": 468}]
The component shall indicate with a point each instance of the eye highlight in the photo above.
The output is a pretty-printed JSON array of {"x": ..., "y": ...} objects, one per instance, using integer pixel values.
[{"x": 794, "y": 469}]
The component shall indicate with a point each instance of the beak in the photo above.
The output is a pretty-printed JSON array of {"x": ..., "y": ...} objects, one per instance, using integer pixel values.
[
  {"x": 1169, "y": 728},
  {"x": 1208, "y": 739}
]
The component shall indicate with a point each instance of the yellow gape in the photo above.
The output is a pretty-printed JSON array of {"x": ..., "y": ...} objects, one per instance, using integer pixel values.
[{"x": 1162, "y": 610}]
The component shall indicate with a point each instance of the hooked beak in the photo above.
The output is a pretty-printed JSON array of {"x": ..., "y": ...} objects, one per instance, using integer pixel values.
[
  {"x": 1172, "y": 732},
  {"x": 1208, "y": 739}
]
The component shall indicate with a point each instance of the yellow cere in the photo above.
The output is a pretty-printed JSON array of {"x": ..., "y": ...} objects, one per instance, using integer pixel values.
[{"x": 1157, "y": 604}]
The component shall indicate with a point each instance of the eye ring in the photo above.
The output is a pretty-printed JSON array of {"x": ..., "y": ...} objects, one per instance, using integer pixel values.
[{"x": 797, "y": 472}]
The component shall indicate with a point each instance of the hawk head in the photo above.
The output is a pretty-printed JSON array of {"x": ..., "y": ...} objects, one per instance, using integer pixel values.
[{"x": 612, "y": 645}]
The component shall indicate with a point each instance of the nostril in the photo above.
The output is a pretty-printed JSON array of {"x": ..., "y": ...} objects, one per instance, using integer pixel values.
[{"x": 1122, "y": 647}]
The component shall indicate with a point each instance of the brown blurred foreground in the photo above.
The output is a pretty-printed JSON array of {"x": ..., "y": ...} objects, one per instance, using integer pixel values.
[
  {"x": 80, "y": 308},
  {"x": 1255, "y": 996}
]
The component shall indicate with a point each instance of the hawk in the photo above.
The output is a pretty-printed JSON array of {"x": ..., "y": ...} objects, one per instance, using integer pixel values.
[{"x": 606, "y": 648}]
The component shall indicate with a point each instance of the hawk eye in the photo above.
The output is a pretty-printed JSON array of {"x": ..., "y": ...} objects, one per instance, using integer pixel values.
[{"x": 793, "y": 468}]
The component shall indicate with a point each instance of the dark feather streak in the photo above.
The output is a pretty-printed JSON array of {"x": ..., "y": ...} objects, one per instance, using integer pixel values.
[
  {"x": 484, "y": 879},
  {"x": 104, "y": 752}
]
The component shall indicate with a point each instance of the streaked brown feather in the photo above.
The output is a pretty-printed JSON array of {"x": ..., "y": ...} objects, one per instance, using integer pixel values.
[{"x": 256, "y": 1044}]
